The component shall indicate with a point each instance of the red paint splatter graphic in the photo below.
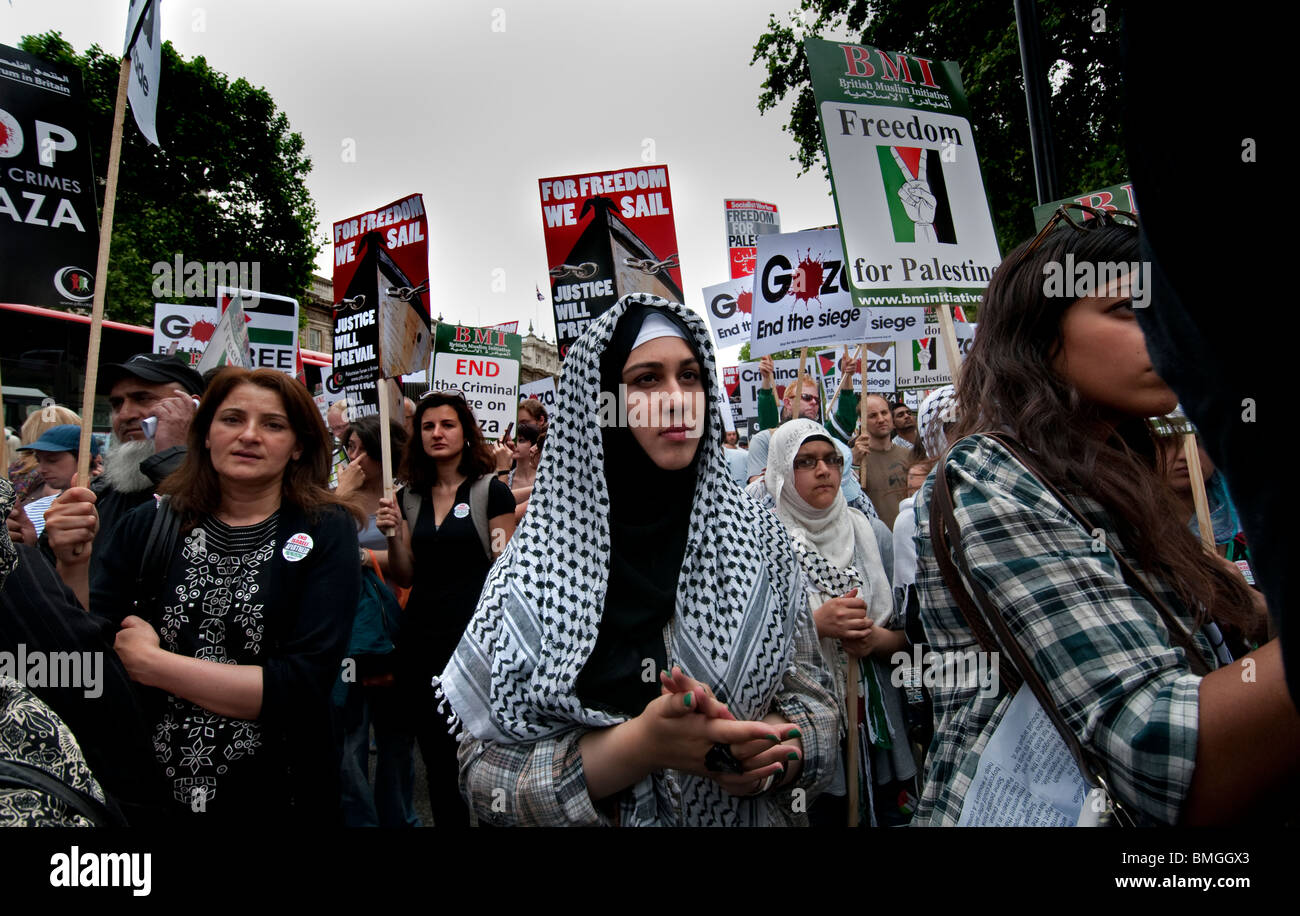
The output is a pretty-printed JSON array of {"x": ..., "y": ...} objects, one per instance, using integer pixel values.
[
  {"x": 745, "y": 302},
  {"x": 202, "y": 331},
  {"x": 808, "y": 278}
]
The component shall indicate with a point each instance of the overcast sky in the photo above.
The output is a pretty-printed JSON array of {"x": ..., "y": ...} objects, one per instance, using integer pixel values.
[{"x": 439, "y": 103}]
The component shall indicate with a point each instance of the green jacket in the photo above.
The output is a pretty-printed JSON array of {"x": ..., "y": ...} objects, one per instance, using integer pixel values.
[{"x": 840, "y": 424}]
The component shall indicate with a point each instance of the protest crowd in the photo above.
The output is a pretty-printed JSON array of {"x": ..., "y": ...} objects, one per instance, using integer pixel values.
[
  {"x": 621, "y": 611},
  {"x": 535, "y": 582}
]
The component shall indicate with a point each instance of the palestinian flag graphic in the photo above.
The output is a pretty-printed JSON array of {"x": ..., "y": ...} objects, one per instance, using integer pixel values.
[
  {"x": 925, "y": 354},
  {"x": 917, "y": 194}
]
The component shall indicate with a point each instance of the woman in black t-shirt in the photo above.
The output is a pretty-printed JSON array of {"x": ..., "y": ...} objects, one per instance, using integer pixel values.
[{"x": 442, "y": 548}]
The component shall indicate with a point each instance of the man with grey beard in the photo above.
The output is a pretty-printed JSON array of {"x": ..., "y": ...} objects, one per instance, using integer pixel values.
[{"x": 150, "y": 386}]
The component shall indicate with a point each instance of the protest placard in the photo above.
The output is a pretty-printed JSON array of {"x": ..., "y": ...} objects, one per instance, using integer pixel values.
[
  {"x": 746, "y": 221},
  {"x": 1115, "y": 197},
  {"x": 230, "y": 345},
  {"x": 381, "y": 273},
  {"x": 801, "y": 293},
  {"x": 186, "y": 329},
  {"x": 543, "y": 390},
  {"x": 483, "y": 365},
  {"x": 607, "y": 234},
  {"x": 272, "y": 326},
  {"x": 924, "y": 363},
  {"x": 729, "y": 306},
  {"x": 880, "y": 370},
  {"x": 905, "y": 175},
  {"x": 49, "y": 224},
  {"x": 749, "y": 380}
]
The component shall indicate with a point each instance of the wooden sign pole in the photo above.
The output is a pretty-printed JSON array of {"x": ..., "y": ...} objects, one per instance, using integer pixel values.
[
  {"x": 851, "y": 674},
  {"x": 1199, "y": 498},
  {"x": 948, "y": 333},
  {"x": 101, "y": 276},
  {"x": 385, "y": 445},
  {"x": 862, "y": 414}
]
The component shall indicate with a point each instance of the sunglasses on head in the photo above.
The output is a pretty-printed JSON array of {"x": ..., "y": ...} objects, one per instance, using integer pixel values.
[
  {"x": 1091, "y": 218},
  {"x": 448, "y": 392}
]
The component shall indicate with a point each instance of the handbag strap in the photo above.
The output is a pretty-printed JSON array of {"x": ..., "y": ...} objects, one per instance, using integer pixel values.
[
  {"x": 374, "y": 562},
  {"x": 17, "y": 774},
  {"x": 1177, "y": 632},
  {"x": 981, "y": 612}
]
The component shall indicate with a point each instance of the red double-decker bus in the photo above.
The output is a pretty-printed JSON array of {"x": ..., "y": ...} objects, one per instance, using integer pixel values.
[{"x": 43, "y": 355}]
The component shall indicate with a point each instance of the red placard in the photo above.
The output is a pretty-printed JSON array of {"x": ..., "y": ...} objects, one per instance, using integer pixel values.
[{"x": 595, "y": 224}]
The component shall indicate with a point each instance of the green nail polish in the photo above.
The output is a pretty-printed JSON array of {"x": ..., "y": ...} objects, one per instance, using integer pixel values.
[
  {"x": 772, "y": 738},
  {"x": 665, "y": 674},
  {"x": 794, "y": 733},
  {"x": 792, "y": 756},
  {"x": 687, "y": 699}
]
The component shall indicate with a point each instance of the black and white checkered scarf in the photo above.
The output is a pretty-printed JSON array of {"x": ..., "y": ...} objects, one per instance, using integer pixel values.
[{"x": 739, "y": 595}]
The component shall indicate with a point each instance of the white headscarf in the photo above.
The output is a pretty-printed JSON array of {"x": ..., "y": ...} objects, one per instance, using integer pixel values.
[
  {"x": 840, "y": 537},
  {"x": 829, "y": 531}
]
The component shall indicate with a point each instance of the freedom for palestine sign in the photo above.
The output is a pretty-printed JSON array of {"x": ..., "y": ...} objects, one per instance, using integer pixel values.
[{"x": 907, "y": 183}]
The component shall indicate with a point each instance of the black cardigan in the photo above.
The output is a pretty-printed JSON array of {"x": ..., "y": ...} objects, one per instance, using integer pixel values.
[{"x": 310, "y": 605}]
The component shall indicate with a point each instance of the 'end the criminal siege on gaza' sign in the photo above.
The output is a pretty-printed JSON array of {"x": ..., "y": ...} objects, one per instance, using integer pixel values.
[{"x": 483, "y": 364}]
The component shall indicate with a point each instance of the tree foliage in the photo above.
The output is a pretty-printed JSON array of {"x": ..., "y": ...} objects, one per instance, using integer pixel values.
[
  {"x": 228, "y": 184},
  {"x": 779, "y": 354},
  {"x": 980, "y": 35}
]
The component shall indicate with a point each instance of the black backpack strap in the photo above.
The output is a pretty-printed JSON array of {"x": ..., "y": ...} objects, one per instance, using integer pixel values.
[
  {"x": 15, "y": 774},
  {"x": 984, "y": 619},
  {"x": 159, "y": 548},
  {"x": 410, "y": 502},
  {"x": 478, "y": 502}
]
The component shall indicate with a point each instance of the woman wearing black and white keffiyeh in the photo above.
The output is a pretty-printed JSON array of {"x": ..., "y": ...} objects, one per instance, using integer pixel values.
[{"x": 640, "y": 556}]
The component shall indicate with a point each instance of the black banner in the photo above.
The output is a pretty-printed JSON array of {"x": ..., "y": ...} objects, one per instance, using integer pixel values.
[{"x": 49, "y": 223}]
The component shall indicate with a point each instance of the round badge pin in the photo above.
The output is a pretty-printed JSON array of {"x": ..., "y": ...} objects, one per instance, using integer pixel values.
[
  {"x": 461, "y": 510},
  {"x": 297, "y": 547}
]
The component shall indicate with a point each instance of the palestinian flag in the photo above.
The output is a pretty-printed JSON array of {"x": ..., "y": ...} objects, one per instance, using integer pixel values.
[
  {"x": 925, "y": 354},
  {"x": 916, "y": 173}
]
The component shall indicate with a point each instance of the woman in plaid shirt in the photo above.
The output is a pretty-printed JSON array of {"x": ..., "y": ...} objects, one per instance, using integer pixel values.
[{"x": 1068, "y": 376}]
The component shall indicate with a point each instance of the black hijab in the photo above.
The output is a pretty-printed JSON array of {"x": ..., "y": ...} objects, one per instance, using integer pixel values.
[{"x": 649, "y": 518}]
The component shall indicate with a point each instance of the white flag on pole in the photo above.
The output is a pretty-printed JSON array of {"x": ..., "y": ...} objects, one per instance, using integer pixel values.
[
  {"x": 229, "y": 344},
  {"x": 146, "y": 66}
]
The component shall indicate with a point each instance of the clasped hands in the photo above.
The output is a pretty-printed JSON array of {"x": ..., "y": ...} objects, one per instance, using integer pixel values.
[
  {"x": 687, "y": 721},
  {"x": 846, "y": 619}
]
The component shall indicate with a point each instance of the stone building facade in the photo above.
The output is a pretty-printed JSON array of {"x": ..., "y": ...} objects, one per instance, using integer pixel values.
[{"x": 540, "y": 356}]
